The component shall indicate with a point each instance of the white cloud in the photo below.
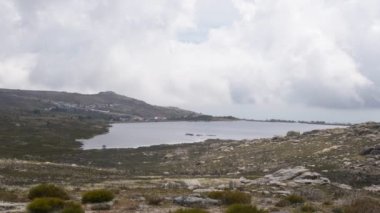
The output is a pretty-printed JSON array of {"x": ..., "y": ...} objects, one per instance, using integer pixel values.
[{"x": 315, "y": 53}]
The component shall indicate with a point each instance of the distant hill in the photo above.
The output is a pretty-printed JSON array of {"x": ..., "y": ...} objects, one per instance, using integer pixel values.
[{"x": 115, "y": 106}]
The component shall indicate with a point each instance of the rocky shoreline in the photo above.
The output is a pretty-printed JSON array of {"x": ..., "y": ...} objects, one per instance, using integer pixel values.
[{"x": 324, "y": 167}]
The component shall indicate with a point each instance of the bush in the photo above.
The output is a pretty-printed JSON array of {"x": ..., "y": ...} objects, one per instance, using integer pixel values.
[
  {"x": 9, "y": 196},
  {"x": 97, "y": 196},
  {"x": 45, "y": 205},
  {"x": 191, "y": 211},
  {"x": 293, "y": 134},
  {"x": 283, "y": 203},
  {"x": 72, "y": 207},
  {"x": 308, "y": 208},
  {"x": 47, "y": 190},
  {"x": 337, "y": 210},
  {"x": 289, "y": 200},
  {"x": 231, "y": 197},
  {"x": 295, "y": 199},
  {"x": 362, "y": 205},
  {"x": 240, "y": 208}
]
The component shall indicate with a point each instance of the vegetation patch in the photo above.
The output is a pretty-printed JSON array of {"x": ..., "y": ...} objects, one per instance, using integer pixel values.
[
  {"x": 72, "y": 207},
  {"x": 241, "y": 208},
  {"x": 362, "y": 205},
  {"x": 97, "y": 196},
  {"x": 9, "y": 196},
  {"x": 290, "y": 200},
  {"x": 47, "y": 190},
  {"x": 295, "y": 199},
  {"x": 308, "y": 208},
  {"x": 45, "y": 205},
  {"x": 231, "y": 197},
  {"x": 191, "y": 211}
]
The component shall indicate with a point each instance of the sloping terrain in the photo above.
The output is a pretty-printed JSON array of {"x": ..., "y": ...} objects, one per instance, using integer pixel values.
[
  {"x": 108, "y": 103},
  {"x": 38, "y": 125}
]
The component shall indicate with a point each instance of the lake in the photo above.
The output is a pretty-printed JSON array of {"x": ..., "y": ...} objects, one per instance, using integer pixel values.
[{"x": 131, "y": 135}]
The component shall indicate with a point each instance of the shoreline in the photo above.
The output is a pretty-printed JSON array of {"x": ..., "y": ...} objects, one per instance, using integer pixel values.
[{"x": 199, "y": 138}]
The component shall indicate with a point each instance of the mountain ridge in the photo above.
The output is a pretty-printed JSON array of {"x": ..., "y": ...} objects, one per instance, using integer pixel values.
[{"x": 119, "y": 107}]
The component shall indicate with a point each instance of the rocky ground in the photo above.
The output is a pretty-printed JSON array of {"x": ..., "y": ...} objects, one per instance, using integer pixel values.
[{"x": 329, "y": 168}]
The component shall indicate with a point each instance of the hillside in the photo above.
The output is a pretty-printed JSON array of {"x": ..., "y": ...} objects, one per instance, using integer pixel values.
[
  {"x": 109, "y": 104},
  {"x": 40, "y": 124}
]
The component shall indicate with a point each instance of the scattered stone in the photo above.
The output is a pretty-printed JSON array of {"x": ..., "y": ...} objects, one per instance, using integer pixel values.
[
  {"x": 192, "y": 183},
  {"x": 100, "y": 206},
  {"x": 12, "y": 207},
  {"x": 328, "y": 149},
  {"x": 205, "y": 190},
  {"x": 282, "y": 192},
  {"x": 172, "y": 185},
  {"x": 373, "y": 188},
  {"x": 343, "y": 186},
  {"x": 311, "y": 178}
]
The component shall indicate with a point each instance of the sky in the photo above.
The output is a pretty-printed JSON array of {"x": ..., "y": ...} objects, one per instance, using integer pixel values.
[{"x": 261, "y": 59}]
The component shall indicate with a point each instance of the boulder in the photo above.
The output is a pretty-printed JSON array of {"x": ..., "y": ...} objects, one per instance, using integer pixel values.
[
  {"x": 292, "y": 176},
  {"x": 374, "y": 150},
  {"x": 311, "y": 178},
  {"x": 192, "y": 184},
  {"x": 195, "y": 201},
  {"x": 366, "y": 151},
  {"x": 287, "y": 174}
]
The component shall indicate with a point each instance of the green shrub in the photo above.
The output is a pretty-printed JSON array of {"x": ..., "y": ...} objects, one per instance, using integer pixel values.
[
  {"x": 362, "y": 205},
  {"x": 295, "y": 199},
  {"x": 289, "y": 200},
  {"x": 97, "y": 196},
  {"x": 9, "y": 196},
  {"x": 47, "y": 190},
  {"x": 72, "y": 207},
  {"x": 337, "y": 210},
  {"x": 308, "y": 208},
  {"x": 283, "y": 203},
  {"x": 45, "y": 205},
  {"x": 241, "y": 208},
  {"x": 231, "y": 197},
  {"x": 293, "y": 134},
  {"x": 191, "y": 211}
]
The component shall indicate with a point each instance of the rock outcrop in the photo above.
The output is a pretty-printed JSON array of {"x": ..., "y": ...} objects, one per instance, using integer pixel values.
[
  {"x": 375, "y": 150},
  {"x": 195, "y": 201},
  {"x": 291, "y": 176}
]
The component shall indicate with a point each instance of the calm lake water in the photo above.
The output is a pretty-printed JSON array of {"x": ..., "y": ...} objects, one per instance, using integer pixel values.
[{"x": 130, "y": 135}]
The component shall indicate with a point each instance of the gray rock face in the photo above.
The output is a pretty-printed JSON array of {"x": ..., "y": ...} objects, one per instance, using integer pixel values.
[
  {"x": 287, "y": 174},
  {"x": 193, "y": 201},
  {"x": 291, "y": 176},
  {"x": 373, "y": 188},
  {"x": 375, "y": 150}
]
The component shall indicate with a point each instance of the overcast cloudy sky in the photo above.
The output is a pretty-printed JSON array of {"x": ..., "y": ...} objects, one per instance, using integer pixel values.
[{"x": 290, "y": 59}]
